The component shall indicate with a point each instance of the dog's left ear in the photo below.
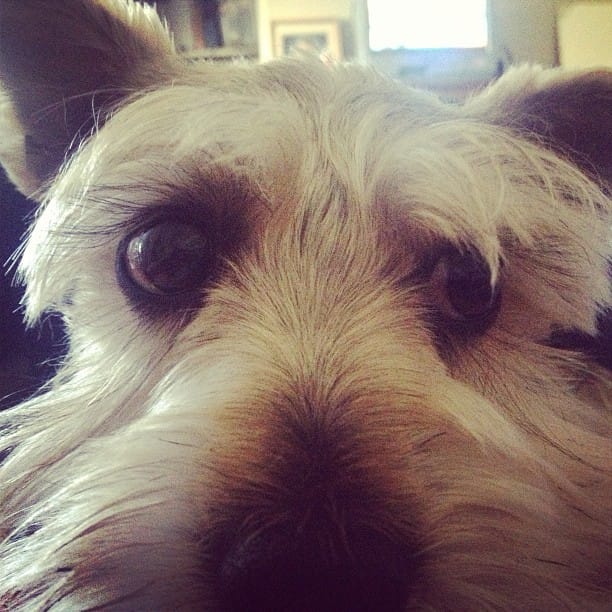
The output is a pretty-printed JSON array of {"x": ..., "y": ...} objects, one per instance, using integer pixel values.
[
  {"x": 570, "y": 113},
  {"x": 63, "y": 65}
]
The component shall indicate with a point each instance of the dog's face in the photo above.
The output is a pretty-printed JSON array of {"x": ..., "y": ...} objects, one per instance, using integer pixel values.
[{"x": 326, "y": 332}]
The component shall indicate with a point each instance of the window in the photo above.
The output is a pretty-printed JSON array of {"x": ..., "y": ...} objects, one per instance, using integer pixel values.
[{"x": 427, "y": 24}]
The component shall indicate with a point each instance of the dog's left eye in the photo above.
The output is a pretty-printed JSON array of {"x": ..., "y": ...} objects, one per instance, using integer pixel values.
[
  {"x": 170, "y": 258},
  {"x": 464, "y": 294}
]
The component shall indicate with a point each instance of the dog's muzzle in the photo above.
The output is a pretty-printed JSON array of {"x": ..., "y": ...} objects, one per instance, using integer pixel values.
[
  {"x": 312, "y": 529},
  {"x": 281, "y": 570}
]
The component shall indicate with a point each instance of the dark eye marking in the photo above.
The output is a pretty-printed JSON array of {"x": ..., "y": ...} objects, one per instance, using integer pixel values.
[
  {"x": 25, "y": 532},
  {"x": 597, "y": 347},
  {"x": 176, "y": 249}
]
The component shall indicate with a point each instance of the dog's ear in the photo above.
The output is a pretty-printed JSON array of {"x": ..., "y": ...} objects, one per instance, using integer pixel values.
[
  {"x": 572, "y": 115},
  {"x": 570, "y": 112},
  {"x": 63, "y": 65}
]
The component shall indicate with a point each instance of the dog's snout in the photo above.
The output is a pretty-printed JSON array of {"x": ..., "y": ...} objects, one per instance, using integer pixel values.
[{"x": 281, "y": 572}]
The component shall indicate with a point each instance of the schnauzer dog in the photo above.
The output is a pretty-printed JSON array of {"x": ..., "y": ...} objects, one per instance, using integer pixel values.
[{"x": 334, "y": 344}]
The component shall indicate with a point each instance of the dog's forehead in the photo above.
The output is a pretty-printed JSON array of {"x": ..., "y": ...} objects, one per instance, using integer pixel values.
[
  {"x": 299, "y": 135},
  {"x": 270, "y": 117},
  {"x": 309, "y": 140}
]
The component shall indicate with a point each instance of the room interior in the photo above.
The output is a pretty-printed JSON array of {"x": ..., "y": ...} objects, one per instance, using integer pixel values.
[{"x": 452, "y": 47}]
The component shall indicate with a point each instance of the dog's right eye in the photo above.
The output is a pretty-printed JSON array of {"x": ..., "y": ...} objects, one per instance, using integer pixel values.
[{"x": 168, "y": 261}]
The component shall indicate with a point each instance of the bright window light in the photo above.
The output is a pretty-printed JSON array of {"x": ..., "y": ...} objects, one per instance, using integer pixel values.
[{"x": 427, "y": 24}]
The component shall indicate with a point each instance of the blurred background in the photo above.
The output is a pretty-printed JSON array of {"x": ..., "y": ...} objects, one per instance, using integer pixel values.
[
  {"x": 453, "y": 47},
  {"x": 448, "y": 45}
]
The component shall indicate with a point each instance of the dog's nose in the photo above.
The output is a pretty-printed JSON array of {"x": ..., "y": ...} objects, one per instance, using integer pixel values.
[{"x": 275, "y": 572}]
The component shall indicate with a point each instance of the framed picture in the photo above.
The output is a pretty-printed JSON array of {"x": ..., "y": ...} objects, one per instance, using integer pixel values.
[{"x": 321, "y": 39}]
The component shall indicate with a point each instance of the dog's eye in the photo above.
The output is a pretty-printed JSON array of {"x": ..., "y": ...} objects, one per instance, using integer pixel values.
[
  {"x": 167, "y": 259},
  {"x": 464, "y": 294}
]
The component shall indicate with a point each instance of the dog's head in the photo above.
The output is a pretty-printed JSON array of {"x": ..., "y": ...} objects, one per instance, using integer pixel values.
[{"x": 333, "y": 344}]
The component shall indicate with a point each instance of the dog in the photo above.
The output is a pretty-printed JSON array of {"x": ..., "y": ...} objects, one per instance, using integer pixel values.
[{"x": 333, "y": 343}]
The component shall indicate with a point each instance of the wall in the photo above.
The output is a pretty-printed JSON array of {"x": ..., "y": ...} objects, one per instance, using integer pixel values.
[
  {"x": 585, "y": 34},
  {"x": 524, "y": 31}
]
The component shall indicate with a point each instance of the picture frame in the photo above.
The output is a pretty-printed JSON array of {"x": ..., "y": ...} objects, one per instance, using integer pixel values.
[{"x": 321, "y": 38}]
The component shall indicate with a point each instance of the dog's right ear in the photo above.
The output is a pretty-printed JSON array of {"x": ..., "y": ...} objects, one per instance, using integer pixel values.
[{"x": 64, "y": 64}]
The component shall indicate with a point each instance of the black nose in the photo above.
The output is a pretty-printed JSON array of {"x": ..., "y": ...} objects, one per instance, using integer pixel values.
[{"x": 279, "y": 572}]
